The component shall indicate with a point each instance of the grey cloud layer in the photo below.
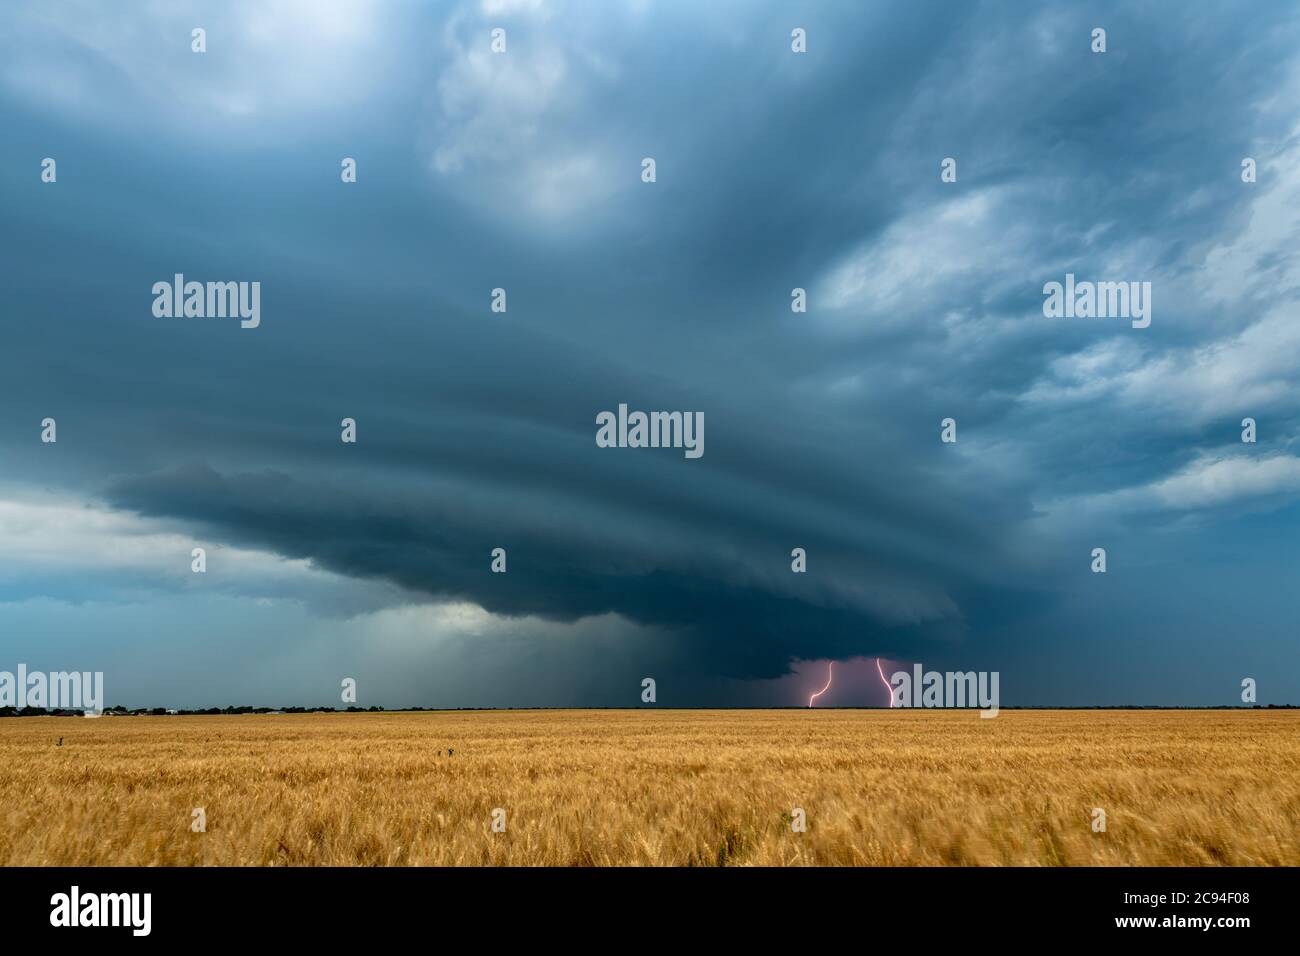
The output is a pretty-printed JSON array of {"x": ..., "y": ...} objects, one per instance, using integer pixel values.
[{"x": 476, "y": 430}]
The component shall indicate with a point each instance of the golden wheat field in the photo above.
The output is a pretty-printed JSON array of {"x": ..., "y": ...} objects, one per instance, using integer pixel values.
[{"x": 654, "y": 787}]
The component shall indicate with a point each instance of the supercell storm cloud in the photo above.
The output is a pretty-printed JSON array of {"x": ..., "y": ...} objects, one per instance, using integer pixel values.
[{"x": 838, "y": 252}]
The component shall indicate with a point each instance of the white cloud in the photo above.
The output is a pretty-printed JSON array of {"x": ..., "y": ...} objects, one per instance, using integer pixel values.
[
  {"x": 494, "y": 8},
  {"x": 918, "y": 257},
  {"x": 1216, "y": 481},
  {"x": 1208, "y": 482},
  {"x": 514, "y": 131},
  {"x": 1244, "y": 294},
  {"x": 49, "y": 532},
  {"x": 263, "y": 60},
  {"x": 62, "y": 547}
]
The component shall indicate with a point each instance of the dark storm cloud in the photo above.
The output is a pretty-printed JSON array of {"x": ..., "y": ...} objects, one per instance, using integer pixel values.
[{"x": 476, "y": 430}]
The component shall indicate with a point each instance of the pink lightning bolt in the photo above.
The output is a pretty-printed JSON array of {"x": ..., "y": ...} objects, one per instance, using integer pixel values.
[
  {"x": 885, "y": 682},
  {"x": 830, "y": 673}
]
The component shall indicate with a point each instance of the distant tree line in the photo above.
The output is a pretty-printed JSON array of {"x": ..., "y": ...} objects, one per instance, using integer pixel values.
[{"x": 163, "y": 711}]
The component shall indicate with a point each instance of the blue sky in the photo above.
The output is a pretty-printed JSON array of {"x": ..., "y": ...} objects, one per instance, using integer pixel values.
[{"x": 476, "y": 429}]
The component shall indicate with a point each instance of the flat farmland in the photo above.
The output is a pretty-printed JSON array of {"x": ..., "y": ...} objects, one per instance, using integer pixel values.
[{"x": 704, "y": 788}]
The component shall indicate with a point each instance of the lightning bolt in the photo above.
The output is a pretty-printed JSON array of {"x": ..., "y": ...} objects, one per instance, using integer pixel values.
[
  {"x": 883, "y": 681},
  {"x": 830, "y": 673}
]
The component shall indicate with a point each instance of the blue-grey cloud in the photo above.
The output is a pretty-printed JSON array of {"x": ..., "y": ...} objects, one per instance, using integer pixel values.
[{"x": 820, "y": 171}]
